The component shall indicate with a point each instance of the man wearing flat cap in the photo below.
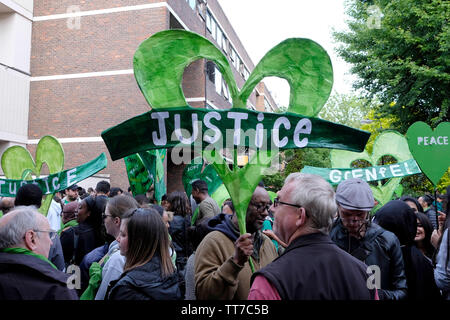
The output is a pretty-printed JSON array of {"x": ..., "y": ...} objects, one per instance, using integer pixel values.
[{"x": 353, "y": 232}]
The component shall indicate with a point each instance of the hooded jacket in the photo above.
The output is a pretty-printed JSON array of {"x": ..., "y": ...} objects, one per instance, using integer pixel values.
[
  {"x": 217, "y": 276},
  {"x": 397, "y": 217},
  {"x": 378, "y": 247},
  {"x": 145, "y": 283},
  {"x": 25, "y": 277}
]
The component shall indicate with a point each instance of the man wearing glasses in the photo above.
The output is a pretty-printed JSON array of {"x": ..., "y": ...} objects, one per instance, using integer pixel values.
[
  {"x": 222, "y": 271},
  {"x": 367, "y": 241},
  {"x": 312, "y": 266},
  {"x": 25, "y": 271}
]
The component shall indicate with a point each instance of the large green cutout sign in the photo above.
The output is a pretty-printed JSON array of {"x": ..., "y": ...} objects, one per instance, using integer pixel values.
[
  {"x": 431, "y": 149},
  {"x": 159, "y": 64},
  {"x": 19, "y": 166},
  {"x": 390, "y": 143}
]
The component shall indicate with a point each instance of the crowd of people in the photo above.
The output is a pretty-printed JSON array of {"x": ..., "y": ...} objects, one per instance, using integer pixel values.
[{"x": 310, "y": 242}]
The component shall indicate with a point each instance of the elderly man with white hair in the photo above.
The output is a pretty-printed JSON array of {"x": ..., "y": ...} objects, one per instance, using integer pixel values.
[
  {"x": 25, "y": 271},
  {"x": 312, "y": 266}
]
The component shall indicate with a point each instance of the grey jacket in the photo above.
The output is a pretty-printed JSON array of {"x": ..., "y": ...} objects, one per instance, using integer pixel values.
[{"x": 378, "y": 247}]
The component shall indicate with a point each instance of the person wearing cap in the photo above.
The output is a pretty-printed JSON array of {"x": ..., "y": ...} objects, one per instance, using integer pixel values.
[
  {"x": 71, "y": 194},
  {"x": 312, "y": 267},
  {"x": 353, "y": 232}
]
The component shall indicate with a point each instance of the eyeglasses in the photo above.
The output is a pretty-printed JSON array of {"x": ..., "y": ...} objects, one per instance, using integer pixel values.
[
  {"x": 261, "y": 207},
  {"x": 277, "y": 202},
  {"x": 104, "y": 216},
  {"x": 51, "y": 233}
]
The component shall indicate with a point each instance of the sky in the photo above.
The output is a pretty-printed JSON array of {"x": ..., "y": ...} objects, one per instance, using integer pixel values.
[{"x": 262, "y": 24}]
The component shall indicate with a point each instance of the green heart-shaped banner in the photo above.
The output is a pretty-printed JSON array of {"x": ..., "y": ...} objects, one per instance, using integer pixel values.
[
  {"x": 55, "y": 182},
  {"x": 390, "y": 143},
  {"x": 17, "y": 163},
  {"x": 159, "y": 65},
  {"x": 430, "y": 148}
]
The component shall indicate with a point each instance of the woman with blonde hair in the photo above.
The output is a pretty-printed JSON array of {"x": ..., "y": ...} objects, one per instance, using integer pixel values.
[{"x": 148, "y": 272}]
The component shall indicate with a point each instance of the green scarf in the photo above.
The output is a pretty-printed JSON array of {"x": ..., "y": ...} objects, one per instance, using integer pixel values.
[
  {"x": 29, "y": 253},
  {"x": 71, "y": 223}
]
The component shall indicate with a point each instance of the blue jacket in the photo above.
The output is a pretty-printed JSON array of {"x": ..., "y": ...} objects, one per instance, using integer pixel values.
[
  {"x": 24, "y": 277},
  {"x": 145, "y": 283}
]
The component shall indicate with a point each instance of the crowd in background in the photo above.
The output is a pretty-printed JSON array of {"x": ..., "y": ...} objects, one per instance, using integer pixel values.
[{"x": 309, "y": 242}]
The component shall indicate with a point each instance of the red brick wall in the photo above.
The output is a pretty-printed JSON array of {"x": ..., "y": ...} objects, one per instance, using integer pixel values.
[
  {"x": 103, "y": 43},
  {"x": 49, "y": 7}
]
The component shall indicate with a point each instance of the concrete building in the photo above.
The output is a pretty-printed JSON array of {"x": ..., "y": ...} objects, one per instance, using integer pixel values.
[{"x": 79, "y": 75}]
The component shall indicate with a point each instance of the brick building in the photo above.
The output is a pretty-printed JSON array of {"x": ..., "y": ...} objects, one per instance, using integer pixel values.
[{"x": 81, "y": 78}]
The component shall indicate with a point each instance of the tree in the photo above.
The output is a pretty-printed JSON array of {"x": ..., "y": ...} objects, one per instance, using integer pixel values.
[
  {"x": 347, "y": 109},
  {"x": 404, "y": 60}
]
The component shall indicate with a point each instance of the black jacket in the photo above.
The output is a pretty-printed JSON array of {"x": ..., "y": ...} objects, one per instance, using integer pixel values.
[
  {"x": 314, "y": 268},
  {"x": 24, "y": 277},
  {"x": 178, "y": 232},
  {"x": 87, "y": 241},
  {"x": 397, "y": 217},
  {"x": 145, "y": 283},
  {"x": 378, "y": 247}
]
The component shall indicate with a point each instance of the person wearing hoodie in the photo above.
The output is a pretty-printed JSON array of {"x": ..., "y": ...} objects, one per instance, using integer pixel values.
[
  {"x": 397, "y": 217},
  {"x": 222, "y": 271},
  {"x": 149, "y": 273},
  {"x": 353, "y": 232}
]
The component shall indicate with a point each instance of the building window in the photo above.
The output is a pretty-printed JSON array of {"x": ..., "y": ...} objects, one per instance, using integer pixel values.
[
  {"x": 267, "y": 105},
  {"x": 210, "y": 70},
  {"x": 208, "y": 21},
  {"x": 218, "y": 81},
  {"x": 219, "y": 38},
  {"x": 246, "y": 73},
  {"x": 233, "y": 54},
  {"x": 192, "y": 3},
  {"x": 225, "y": 44}
]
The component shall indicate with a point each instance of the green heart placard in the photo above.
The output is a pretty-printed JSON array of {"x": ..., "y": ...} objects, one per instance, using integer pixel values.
[
  {"x": 17, "y": 163},
  {"x": 159, "y": 65},
  {"x": 390, "y": 143},
  {"x": 430, "y": 148}
]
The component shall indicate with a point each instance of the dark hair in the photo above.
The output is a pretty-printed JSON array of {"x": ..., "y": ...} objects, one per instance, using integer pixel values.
[
  {"x": 114, "y": 192},
  {"x": 261, "y": 184},
  {"x": 103, "y": 187},
  {"x": 428, "y": 229},
  {"x": 413, "y": 200},
  {"x": 29, "y": 195},
  {"x": 428, "y": 199},
  {"x": 229, "y": 203},
  {"x": 147, "y": 237},
  {"x": 200, "y": 185},
  {"x": 96, "y": 207},
  {"x": 120, "y": 204},
  {"x": 142, "y": 199},
  {"x": 164, "y": 197},
  {"x": 179, "y": 203}
]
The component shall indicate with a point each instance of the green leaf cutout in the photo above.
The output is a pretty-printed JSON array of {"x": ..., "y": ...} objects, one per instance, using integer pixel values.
[
  {"x": 17, "y": 163},
  {"x": 387, "y": 143}
]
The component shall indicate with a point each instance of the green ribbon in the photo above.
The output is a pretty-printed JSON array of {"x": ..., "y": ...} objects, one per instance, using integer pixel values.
[
  {"x": 28, "y": 253},
  {"x": 71, "y": 223},
  {"x": 337, "y": 175},
  {"x": 171, "y": 127},
  {"x": 58, "y": 181}
]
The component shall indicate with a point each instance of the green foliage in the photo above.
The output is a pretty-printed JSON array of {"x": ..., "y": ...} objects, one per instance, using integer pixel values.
[
  {"x": 347, "y": 109},
  {"x": 406, "y": 60}
]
